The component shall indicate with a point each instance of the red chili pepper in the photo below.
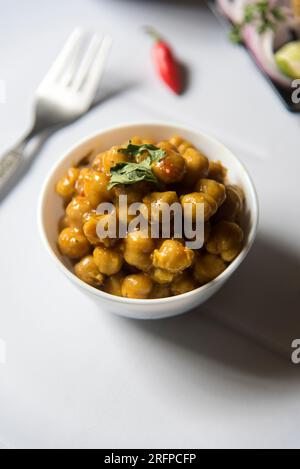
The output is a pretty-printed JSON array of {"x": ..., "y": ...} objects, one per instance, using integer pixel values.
[{"x": 165, "y": 61}]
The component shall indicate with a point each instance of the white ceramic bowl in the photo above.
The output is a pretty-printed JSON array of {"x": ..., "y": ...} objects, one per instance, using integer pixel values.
[{"x": 51, "y": 209}]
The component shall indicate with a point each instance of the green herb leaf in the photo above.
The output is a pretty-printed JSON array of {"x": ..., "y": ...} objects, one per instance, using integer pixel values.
[
  {"x": 249, "y": 13},
  {"x": 262, "y": 6},
  {"x": 278, "y": 14},
  {"x": 262, "y": 14},
  {"x": 235, "y": 34},
  {"x": 131, "y": 173},
  {"x": 154, "y": 152}
]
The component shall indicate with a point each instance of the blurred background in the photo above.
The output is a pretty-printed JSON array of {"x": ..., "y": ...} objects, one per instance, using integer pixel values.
[{"x": 227, "y": 83}]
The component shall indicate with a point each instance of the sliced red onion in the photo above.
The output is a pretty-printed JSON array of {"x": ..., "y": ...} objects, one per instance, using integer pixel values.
[
  {"x": 260, "y": 45},
  {"x": 234, "y": 9}
]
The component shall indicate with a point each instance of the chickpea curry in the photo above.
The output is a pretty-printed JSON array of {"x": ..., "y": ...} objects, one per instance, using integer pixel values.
[{"x": 147, "y": 172}]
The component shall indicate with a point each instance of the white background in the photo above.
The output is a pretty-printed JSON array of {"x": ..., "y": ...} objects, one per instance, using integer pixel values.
[{"x": 217, "y": 377}]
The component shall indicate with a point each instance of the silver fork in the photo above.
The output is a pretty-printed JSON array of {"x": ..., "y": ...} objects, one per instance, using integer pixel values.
[{"x": 66, "y": 93}]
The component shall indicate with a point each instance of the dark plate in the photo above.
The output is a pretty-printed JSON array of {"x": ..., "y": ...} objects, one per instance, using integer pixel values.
[{"x": 285, "y": 94}]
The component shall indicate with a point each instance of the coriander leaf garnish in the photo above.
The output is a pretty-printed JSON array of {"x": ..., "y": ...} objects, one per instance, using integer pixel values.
[
  {"x": 154, "y": 152},
  {"x": 263, "y": 14},
  {"x": 235, "y": 34},
  {"x": 130, "y": 173}
]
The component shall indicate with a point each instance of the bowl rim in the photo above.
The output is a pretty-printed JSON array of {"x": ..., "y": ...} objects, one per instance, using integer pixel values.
[{"x": 134, "y": 301}]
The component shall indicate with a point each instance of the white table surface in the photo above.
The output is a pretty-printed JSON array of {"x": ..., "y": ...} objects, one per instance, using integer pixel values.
[{"x": 217, "y": 377}]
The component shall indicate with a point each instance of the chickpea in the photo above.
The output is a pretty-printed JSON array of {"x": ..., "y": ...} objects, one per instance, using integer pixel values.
[
  {"x": 108, "y": 261},
  {"x": 113, "y": 284},
  {"x": 90, "y": 230},
  {"x": 134, "y": 141},
  {"x": 97, "y": 161},
  {"x": 88, "y": 272},
  {"x": 95, "y": 188},
  {"x": 84, "y": 174},
  {"x": 173, "y": 256},
  {"x": 139, "y": 241},
  {"x": 137, "y": 286},
  {"x": 72, "y": 243},
  {"x": 167, "y": 197},
  {"x": 226, "y": 240},
  {"x": 138, "y": 249},
  {"x": 123, "y": 215},
  {"x": 217, "y": 171},
  {"x": 167, "y": 146},
  {"x": 171, "y": 168},
  {"x": 134, "y": 192},
  {"x": 64, "y": 222},
  {"x": 176, "y": 140},
  {"x": 183, "y": 283},
  {"x": 196, "y": 166},
  {"x": 155, "y": 201},
  {"x": 110, "y": 158},
  {"x": 138, "y": 258},
  {"x": 210, "y": 205},
  {"x": 233, "y": 205},
  {"x": 213, "y": 188},
  {"x": 207, "y": 267},
  {"x": 160, "y": 291},
  {"x": 181, "y": 144},
  {"x": 66, "y": 185},
  {"x": 88, "y": 215},
  {"x": 148, "y": 141},
  {"x": 76, "y": 209},
  {"x": 162, "y": 276}
]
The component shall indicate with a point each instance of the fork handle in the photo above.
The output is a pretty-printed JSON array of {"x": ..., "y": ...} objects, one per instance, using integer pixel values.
[{"x": 9, "y": 164}]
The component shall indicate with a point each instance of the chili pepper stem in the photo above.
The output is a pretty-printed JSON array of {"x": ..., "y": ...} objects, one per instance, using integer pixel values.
[{"x": 153, "y": 33}]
